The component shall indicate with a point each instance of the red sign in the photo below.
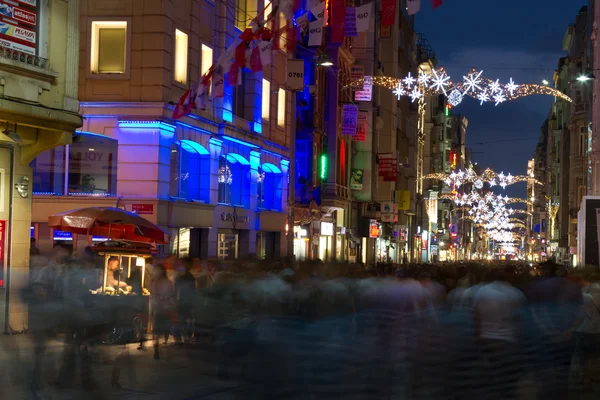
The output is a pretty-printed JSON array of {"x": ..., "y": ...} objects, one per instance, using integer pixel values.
[
  {"x": 143, "y": 208},
  {"x": 361, "y": 127},
  {"x": 25, "y": 16},
  {"x": 388, "y": 167},
  {"x": 374, "y": 230}
]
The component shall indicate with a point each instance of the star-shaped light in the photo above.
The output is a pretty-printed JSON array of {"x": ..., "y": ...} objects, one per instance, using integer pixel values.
[
  {"x": 509, "y": 177},
  {"x": 439, "y": 82},
  {"x": 461, "y": 174},
  {"x": 493, "y": 183},
  {"x": 448, "y": 181},
  {"x": 495, "y": 86},
  {"x": 500, "y": 98},
  {"x": 458, "y": 184},
  {"x": 409, "y": 81},
  {"x": 472, "y": 81},
  {"x": 415, "y": 94},
  {"x": 399, "y": 91},
  {"x": 511, "y": 87},
  {"x": 501, "y": 175},
  {"x": 503, "y": 185},
  {"x": 483, "y": 97},
  {"x": 424, "y": 78}
]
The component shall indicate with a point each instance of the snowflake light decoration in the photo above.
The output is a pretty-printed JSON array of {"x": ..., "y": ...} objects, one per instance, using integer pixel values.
[
  {"x": 440, "y": 82},
  {"x": 424, "y": 79},
  {"x": 416, "y": 94},
  {"x": 473, "y": 81},
  {"x": 500, "y": 98},
  {"x": 511, "y": 87},
  {"x": 483, "y": 96},
  {"x": 478, "y": 184},
  {"x": 399, "y": 91},
  {"x": 455, "y": 98},
  {"x": 409, "y": 81},
  {"x": 495, "y": 86}
]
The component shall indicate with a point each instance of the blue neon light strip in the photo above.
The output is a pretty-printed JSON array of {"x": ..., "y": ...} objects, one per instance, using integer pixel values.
[
  {"x": 147, "y": 125},
  {"x": 195, "y": 128},
  {"x": 234, "y": 140}
]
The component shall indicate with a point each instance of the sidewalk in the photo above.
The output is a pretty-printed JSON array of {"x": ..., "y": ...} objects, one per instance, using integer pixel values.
[{"x": 181, "y": 373}]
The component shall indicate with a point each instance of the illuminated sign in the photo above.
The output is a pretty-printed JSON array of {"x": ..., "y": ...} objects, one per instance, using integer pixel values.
[
  {"x": 60, "y": 235},
  {"x": 374, "y": 230},
  {"x": 326, "y": 229}
]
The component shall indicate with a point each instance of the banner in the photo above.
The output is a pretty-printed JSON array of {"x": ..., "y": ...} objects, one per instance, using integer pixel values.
[
  {"x": 18, "y": 14},
  {"x": 338, "y": 20},
  {"x": 349, "y": 119},
  {"x": 265, "y": 52},
  {"x": 295, "y": 75},
  {"x": 403, "y": 198},
  {"x": 361, "y": 126},
  {"x": 413, "y": 6},
  {"x": 315, "y": 33},
  {"x": 350, "y": 26},
  {"x": 303, "y": 25},
  {"x": 356, "y": 179},
  {"x": 363, "y": 17},
  {"x": 388, "y": 167},
  {"x": 388, "y": 207},
  {"x": 388, "y": 12},
  {"x": 367, "y": 91},
  {"x": 24, "y": 39},
  {"x": 218, "y": 82},
  {"x": 318, "y": 12}
]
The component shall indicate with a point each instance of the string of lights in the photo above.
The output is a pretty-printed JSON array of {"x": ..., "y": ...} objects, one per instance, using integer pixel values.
[{"x": 473, "y": 85}]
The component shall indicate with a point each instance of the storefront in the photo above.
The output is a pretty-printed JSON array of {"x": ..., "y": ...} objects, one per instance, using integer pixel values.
[{"x": 326, "y": 241}]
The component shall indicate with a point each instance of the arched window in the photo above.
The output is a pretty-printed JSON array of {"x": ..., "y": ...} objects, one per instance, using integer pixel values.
[
  {"x": 190, "y": 171},
  {"x": 234, "y": 180},
  {"x": 269, "y": 186}
]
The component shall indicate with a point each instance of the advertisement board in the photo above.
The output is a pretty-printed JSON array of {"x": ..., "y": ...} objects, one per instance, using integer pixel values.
[{"x": 19, "y": 25}]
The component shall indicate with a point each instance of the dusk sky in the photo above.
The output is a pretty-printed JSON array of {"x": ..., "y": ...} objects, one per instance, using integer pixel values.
[{"x": 505, "y": 38}]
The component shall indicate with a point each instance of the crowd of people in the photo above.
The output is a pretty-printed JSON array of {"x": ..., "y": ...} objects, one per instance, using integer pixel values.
[{"x": 285, "y": 329}]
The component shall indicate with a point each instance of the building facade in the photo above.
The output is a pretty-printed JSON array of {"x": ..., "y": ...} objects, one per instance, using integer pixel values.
[
  {"x": 215, "y": 179},
  {"x": 40, "y": 111}
]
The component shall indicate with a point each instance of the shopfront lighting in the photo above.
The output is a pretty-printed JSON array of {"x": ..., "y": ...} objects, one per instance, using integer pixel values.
[
  {"x": 585, "y": 77},
  {"x": 324, "y": 61}
]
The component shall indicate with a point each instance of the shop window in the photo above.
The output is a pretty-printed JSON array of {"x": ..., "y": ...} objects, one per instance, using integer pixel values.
[
  {"x": 92, "y": 165},
  {"x": 108, "y": 47},
  {"x": 190, "y": 171},
  {"x": 269, "y": 186},
  {"x": 207, "y": 61},
  {"x": 49, "y": 172},
  {"x": 281, "y": 108},
  {"x": 234, "y": 180},
  {"x": 266, "y": 99},
  {"x": 181, "y": 56}
]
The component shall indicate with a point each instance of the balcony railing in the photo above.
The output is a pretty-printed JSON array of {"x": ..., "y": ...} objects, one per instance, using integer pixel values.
[{"x": 22, "y": 57}]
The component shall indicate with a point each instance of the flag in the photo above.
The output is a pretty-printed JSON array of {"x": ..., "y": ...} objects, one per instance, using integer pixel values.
[
  {"x": 338, "y": 20},
  {"x": 291, "y": 36},
  {"x": 218, "y": 84},
  {"x": 363, "y": 17},
  {"x": 179, "y": 110},
  {"x": 255, "y": 63},
  {"x": 240, "y": 54},
  {"x": 315, "y": 37},
  {"x": 201, "y": 100},
  {"x": 265, "y": 52},
  {"x": 413, "y": 6},
  {"x": 318, "y": 12},
  {"x": 350, "y": 24},
  {"x": 388, "y": 12},
  {"x": 233, "y": 77},
  {"x": 436, "y": 3}
]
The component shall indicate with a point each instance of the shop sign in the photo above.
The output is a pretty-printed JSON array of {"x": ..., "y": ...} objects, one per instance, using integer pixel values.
[
  {"x": 434, "y": 249},
  {"x": 361, "y": 127},
  {"x": 22, "y": 187},
  {"x": 367, "y": 91},
  {"x": 295, "y": 75},
  {"x": 403, "y": 197},
  {"x": 357, "y": 72},
  {"x": 388, "y": 167},
  {"x": 18, "y": 14},
  {"x": 349, "y": 119},
  {"x": 374, "y": 230},
  {"x": 356, "y": 179},
  {"x": 234, "y": 218},
  {"x": 326, "y": 229},
  {"x": 60, "y": 235},
  {"x": 142, "y": 208},
  {"x": 402, "y": 233},
  {"x": 389, "y": 217},
  {"x": 388, "y": 207}
]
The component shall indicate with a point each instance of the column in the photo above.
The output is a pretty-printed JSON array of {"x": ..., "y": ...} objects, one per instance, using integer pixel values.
[
  {"x": 215, "y": 147},
  {"x": 72, "y": 62},
  {"x": 251, "y": 192}
]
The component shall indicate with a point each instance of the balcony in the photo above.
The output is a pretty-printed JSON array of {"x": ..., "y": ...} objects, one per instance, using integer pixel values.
[{"x": 23, "y": 75}]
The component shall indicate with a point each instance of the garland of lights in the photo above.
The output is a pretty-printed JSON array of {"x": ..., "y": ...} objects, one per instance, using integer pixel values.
[
  {"x": 473, "y": 85},
  {"x": 463, "y": 177}
]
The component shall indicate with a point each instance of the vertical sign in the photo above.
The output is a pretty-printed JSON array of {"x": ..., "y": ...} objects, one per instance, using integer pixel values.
[
  {"x": 403, "y": 197},
  {"x": 356, "y": 179},
  {"x": 349, "y": 119},
  {"x": 366, "y": 92},
  {"x": 295, "y": 75},
  {"x": 361, "y": 126},
  {"x": 18, "y": 25},
  {"x": 357, "y": 73},
  {"x": 388, "y": 167}
]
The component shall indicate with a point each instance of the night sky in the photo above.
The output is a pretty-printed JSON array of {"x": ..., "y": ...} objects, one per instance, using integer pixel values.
[{"x": 505, "y": 38}]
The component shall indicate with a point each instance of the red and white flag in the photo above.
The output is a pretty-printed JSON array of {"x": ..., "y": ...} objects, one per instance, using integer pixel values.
[
  {"x": 388, "y": 12},
  {"x": 436, "y": 3},
  {"x": 265, "y": 52},
  {"x": 218, "y": 85},
  {"x": 254, "y": 62},
  {"x": 413, "y": 6},
  {"x": 180, "y": 108}
]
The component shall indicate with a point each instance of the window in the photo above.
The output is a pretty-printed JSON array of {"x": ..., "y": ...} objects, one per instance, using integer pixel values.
[
  {"x": 49, "y": 172},
  {"x": 239, "y": 96},
  {"x": 190, "y": 171},
  {"x": 207, "y": 60},
  {"x": 581, "y": 189},
  {"x": 582, "y": 141},
  {"x": 281, "y": 108},
  {"x": 266, "y": 98},
  {"x": 268, "y": 10},
  {"x": 93, "y": 165},
  {"x": 108, "y": 47},
  {"x": 181, "y": 56},
  {"x": 269, "y": 185},
  {"x": 234, "y": 180},
  {"x": 245, "y": 11}
]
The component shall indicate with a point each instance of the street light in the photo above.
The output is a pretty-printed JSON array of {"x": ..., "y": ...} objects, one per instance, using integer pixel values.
[
  {"x": 585, "y": 77},
  {"x": 545, "y": 82}
]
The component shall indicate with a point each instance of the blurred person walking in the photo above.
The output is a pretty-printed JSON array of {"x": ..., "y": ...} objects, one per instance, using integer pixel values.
[
  {"x": 588, "y": 337},
  {"x": 186, "y": 296},
  {"x": 162, "y": 306}
]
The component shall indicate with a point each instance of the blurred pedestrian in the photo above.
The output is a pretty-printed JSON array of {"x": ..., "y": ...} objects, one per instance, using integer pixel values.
[
  {"x": 186, "y": 296},
  {"x": 162, "y": 306}
]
